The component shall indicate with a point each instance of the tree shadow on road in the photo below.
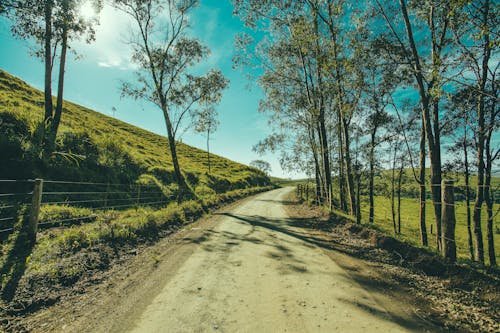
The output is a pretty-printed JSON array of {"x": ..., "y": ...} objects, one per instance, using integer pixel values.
[{"x": 301, "y": 229}]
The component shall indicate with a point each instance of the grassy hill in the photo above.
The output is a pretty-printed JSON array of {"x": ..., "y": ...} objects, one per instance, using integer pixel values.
[
  {"x": 75, "y": 225},
  {"x": 95, "y": 147}
]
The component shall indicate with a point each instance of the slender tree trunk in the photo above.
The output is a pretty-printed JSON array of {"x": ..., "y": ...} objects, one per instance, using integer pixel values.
[
  {"x": 48, "y": 64},
  {"x": 478, "y": 234},
  {"x": 343, "y": 202},
  {"x": 326, "y": 160},
  {"x": 433, "y": 143},
  {"x": 358, "y": 198},
  {"x": 181, "y": 182},
  {"x": 372, "y": 175},
  {"x": 393, "y": 191},
  {"x": 488, "y": 198},
  {"x": 400, "y": 178},
  {"x": 467, "y": 193},
  {"x": 317, "y": 172},
  {"x": 208, "y": 148},
  {"x": 349, "y": 171},
  {"x": 488, "y": 192},
  {"x": 323, "y": 138},
  {"x": 60, "y": 87},
  {"x": 318, "y": 193},
  {"x": 423, "y": 226},
  {"x": 436, "y": 175}
]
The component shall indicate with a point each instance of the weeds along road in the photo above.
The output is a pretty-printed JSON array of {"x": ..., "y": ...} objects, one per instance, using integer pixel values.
[{"x": 249, "y": 270}]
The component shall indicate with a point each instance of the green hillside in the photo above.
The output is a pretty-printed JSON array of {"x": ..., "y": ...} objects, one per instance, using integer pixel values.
[{"x": 95, "y": 147}]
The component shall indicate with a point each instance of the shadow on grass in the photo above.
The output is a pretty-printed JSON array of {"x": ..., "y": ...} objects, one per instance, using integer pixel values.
[{"x": 14, "y": 261}]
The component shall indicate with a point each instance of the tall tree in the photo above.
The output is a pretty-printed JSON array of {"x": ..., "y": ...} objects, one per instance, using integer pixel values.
[
  {"x": 165, "y": 54},
  {"x": 427, "y": 65},
  {"x": 475, "y": 31},
  {"x": 261, "y": 165},
  {"x": 53, "y": 24},
  {"x": 206, "y": 122}
]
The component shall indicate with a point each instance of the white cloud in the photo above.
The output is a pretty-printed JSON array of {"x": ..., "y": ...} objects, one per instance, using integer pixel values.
[{"x": 109, "y": 48}]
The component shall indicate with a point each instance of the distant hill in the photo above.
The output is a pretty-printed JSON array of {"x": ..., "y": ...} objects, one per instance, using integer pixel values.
[{"x": 94, "y": 147}]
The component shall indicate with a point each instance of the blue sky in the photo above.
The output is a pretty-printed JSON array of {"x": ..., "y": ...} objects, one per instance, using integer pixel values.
[{"x": 94, "y": 79}]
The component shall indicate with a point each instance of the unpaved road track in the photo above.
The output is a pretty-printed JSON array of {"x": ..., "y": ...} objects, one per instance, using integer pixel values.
[{"x": 248, "y": 270}]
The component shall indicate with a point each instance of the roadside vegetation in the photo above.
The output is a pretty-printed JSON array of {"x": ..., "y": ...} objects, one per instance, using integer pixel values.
[
  {"x": 353, "y": 89},
  {"x": 406, "y": 210},
  {"x": 88, "y": 239}
]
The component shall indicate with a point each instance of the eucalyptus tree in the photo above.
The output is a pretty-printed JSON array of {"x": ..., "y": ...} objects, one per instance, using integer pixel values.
[
  {"x": 291, "y": 58},
  {"x": 261, "y": 165},
  {"x": 53, "y": 24},
  {"x": 206, "y": 122},
  {"x": 341, "y": 73},
  {"x": 418, "y": 38},
  {"x": 461, "y": 125},
  {"x": 319, "y": 46},
  {"x": 379, "y": 81},
  {"x": 475, "y": 26},
  {"x": 165, "y": 55}
]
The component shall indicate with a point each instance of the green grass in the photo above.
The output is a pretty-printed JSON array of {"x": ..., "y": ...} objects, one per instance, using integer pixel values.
[
  {"x": 116, "y": 229},
  {"x": 104, "y": 147},
  {"x": 92, "y": 147},
  {"x": 410, "y": 223}
]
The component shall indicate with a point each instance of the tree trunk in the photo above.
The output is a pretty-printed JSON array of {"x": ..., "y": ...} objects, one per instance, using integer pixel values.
[
  {"x": 478, "y": 234},
  {"x": 343, "y": 202},
  {"x": 349, "y": 171},
  {"x": 436, "y": 176},
  {"x": 467, "y": 193},
  {"x": 423, "y": 227},
  {"x": 326, "y": 160},
  {"x": 372, "y": 175},
  {"x": 323, "y": 137},
  {"x": 449, "y": 249},
  {"x": 393, "y": 190},
  {"x": 432, "y": 141},
  {"x": 488, "y": 192},
  {"x": 181, "y": 182},
  {"x": 60, "y": 87},
  {"x": 48, "y": 65},
  {"x": 318, "y": 190},
  {"x": 208, "y": 148},
  {"x": 358, "y": 197},
  {"x": 489, "y": 203},
  {"x": 400, "y": 178}
]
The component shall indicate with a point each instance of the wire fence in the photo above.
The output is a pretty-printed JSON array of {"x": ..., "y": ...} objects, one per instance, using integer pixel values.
[
  {"x": 17, "y": 198},
  {"x": 396, "y": 210}
]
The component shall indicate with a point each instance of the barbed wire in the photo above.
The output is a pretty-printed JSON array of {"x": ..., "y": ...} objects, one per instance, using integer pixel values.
[{"x": 111, "y": 196}]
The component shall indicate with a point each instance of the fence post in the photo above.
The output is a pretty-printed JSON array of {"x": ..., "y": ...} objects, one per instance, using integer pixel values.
[
  {"x": 448, "y": 221},
  {"x": 36, "y": 200}
]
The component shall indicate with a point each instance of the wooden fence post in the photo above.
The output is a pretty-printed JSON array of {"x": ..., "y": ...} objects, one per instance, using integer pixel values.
[
  {"x": 448, "y": 221},
  {"x": 36, "y": 200}
]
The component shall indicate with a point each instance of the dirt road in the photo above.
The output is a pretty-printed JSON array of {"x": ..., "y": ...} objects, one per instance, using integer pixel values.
[
  {"x": 248, "y": 268},
  {"x": 250, "y": 273}
]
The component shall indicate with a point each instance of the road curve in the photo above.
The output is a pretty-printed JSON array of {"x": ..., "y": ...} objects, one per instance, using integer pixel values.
[{"x": 252, "y": 273}]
